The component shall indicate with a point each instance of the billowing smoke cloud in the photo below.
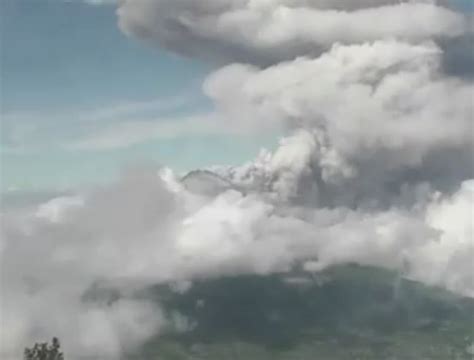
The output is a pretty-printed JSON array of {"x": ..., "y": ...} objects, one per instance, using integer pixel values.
[
  {"x": 374, "y": 116},
  {"x": 375, "y": 169},
  {"x": 74, "y": 266},
  {"x": 268, "y": 31}
]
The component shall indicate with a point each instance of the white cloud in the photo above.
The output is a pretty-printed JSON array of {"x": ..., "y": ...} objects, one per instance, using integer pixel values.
[
  {"x": 143, "y": 231},
  {"x": 375, "y": 171},
  {"x": 76, "y": 128},
  {"x": 269, "y": 31},
  {"x": 134, "y": 132},
  {"x": 378, "y": 114},
  {"x": 95, "y": 2}
]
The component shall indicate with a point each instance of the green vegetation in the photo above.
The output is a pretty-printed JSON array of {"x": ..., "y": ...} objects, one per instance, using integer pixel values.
[
  {"x": 44, "y": 351},
  {"x": 344, "y": 313},
  {"x": 348, "y": 312}
]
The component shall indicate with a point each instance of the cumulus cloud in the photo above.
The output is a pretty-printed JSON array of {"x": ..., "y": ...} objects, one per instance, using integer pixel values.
[
  {"x": 74, "y": 267},
  {"x": 265, "y": 32},
  {"x": 375, "y": 169},
  {"x": 50, "y": 260},
  {"x": 370, "y": 117}
]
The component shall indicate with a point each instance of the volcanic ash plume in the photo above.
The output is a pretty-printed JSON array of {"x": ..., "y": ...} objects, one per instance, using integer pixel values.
[{"x": 374, "y": 168}]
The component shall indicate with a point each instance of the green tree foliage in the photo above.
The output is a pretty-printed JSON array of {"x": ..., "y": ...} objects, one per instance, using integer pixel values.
[{"x": 44, "y": 351}]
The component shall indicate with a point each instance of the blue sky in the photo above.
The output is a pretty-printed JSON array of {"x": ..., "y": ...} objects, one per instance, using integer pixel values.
[
  {"x": 69, "y": 73},
  {"x": 467, "y": 5},
  {"x": 80, "y": 100}
]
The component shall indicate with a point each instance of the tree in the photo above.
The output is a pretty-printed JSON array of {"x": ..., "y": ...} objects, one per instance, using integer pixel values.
[{"x": 44, "y": 351}]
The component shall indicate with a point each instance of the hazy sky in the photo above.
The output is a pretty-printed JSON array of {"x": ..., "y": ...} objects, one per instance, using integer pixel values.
[
  {"x": 69, "y": 73},
  {"x": 80, "y": 99},
  {"x": 374, "y": 102}
]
